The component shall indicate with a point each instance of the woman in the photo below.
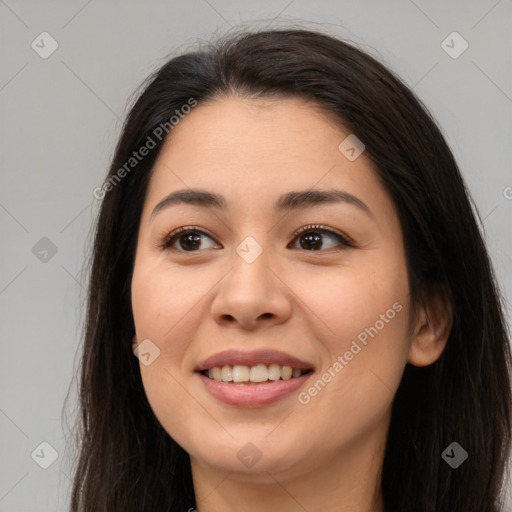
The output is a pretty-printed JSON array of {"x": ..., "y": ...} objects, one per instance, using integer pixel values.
[{"x": 287, "y": 246}]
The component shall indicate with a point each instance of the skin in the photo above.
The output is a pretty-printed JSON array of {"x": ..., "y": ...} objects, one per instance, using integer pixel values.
[{"x": 327, "y": 454}]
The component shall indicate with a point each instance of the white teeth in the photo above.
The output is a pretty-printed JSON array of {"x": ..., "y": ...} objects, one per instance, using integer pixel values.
[
  {"x": 274, "y": 372},
  {"x": 217, "y": 373},
  {"x": 259, "y": 373},
  {"x": 241, "y": 373},
  {"x": 226, "y": 374},
  {"x": 286, "y": 372}
]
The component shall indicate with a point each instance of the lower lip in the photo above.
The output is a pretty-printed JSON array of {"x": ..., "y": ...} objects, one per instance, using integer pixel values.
[{"x": 253, "y": 395}]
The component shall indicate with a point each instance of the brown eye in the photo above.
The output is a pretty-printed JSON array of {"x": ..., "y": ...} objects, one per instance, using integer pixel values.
[
  {"x": 185, "y": 239},
  {"x": 312, "y": 238}
]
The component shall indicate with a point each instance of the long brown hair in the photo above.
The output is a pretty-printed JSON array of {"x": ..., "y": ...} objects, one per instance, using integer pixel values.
[{"x": 128, "y": 462}]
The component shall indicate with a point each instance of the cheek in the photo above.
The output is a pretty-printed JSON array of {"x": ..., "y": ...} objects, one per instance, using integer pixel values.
[
  {"x": 175, "y": 408},
  {"x": 167, "y": 309},
  {"x": 366, "y": 358},
  {"x": 163, "y": 308},
  {"x": 361, "y": 321},
  {"x": 345, "y": 303},
  {"x": 163, "y": 301}
]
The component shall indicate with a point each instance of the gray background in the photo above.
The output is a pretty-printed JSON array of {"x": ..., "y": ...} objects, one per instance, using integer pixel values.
[{"x": 61, "y": 117}]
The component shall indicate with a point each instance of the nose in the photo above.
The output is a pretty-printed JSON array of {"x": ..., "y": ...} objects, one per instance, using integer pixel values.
[{"x": 252, "y": 295}]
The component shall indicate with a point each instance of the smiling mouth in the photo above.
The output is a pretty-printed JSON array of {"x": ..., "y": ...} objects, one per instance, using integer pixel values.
[{"x": 258, "y": 374}]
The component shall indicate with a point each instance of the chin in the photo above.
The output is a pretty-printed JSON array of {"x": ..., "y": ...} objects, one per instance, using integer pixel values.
[{"x": 248, "y": 456}]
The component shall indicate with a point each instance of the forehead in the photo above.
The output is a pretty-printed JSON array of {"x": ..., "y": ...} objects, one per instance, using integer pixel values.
[
  {"x": 254, "y": 128},
  {"x": 256, "y": 150}
]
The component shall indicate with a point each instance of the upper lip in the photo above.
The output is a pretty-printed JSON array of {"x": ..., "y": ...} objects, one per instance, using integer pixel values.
[{"x": 252, "y": 358}]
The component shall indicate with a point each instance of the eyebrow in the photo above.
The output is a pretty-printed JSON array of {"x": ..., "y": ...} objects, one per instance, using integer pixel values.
[{"x": 285, "y": 203}]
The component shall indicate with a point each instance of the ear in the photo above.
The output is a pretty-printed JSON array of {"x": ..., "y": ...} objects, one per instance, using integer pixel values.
[
  {"x": 134, "y": 342},
  {"x": 431, "y": 329}
]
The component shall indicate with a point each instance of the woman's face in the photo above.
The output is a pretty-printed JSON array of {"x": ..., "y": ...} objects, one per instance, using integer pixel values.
[{"x": 244, "y": 281}]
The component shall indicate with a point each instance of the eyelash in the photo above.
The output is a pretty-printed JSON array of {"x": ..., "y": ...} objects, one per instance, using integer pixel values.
[{"x": 315, "y": 228}]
